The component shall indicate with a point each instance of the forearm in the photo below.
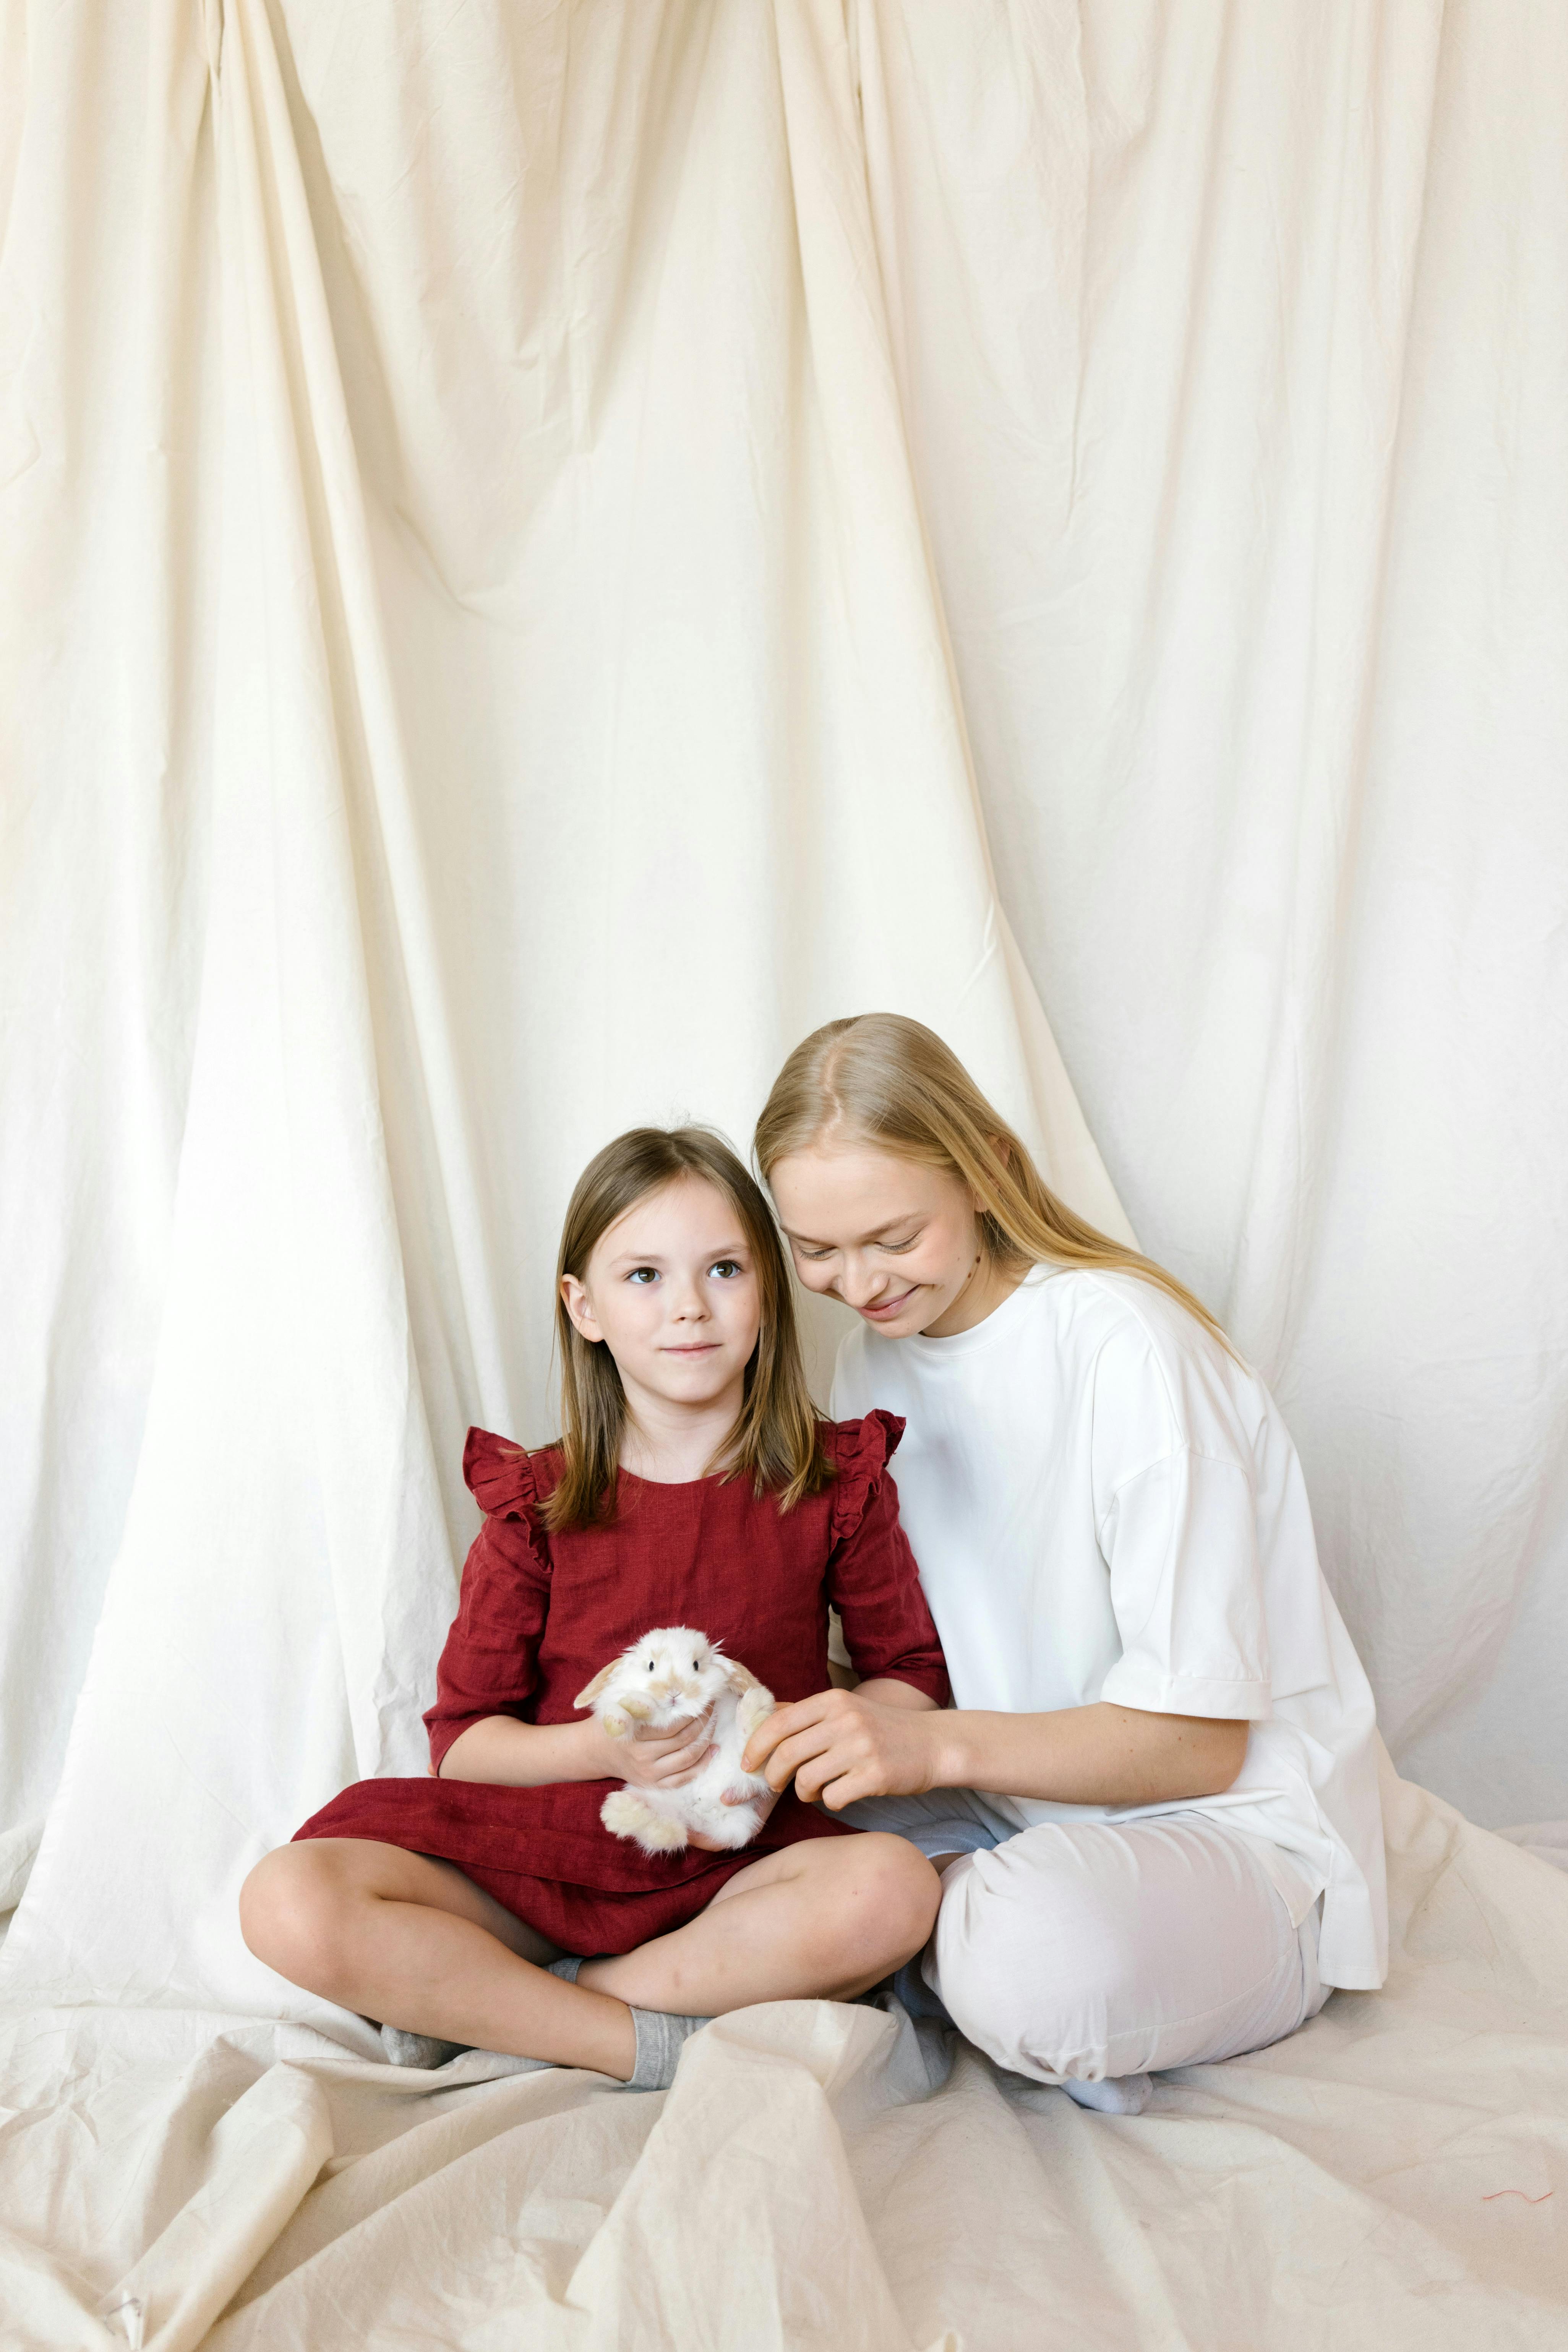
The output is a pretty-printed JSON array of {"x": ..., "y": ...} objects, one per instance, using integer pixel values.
[
  {"x": 527, "y": 1755},
  {"x": 886, "y": 1690},
  {"x": 1098, "y": 1755}
]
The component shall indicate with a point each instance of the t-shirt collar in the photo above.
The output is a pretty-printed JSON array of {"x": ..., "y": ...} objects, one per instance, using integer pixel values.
[{"x": 995, "y": 1325}]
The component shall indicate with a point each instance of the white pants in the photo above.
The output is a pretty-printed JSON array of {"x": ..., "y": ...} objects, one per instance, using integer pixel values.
[{"x": 1089, "y": 1949}]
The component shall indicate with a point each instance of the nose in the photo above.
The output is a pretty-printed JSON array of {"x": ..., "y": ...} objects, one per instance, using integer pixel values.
[
  {"x": 688, "y": 1303},
  {"x": 862, "y": 1286}
]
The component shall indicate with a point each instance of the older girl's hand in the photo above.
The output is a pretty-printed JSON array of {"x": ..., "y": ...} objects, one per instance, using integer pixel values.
[
  {"x": 660, "y": 1760},
  {"x": 841, "y": 1747}
]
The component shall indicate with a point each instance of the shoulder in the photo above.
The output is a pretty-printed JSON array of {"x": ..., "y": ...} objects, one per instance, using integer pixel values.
[
  {"x": 869, "y": 1438},
  {"x": 506, "y": 1480},
  {"x": 1095, "y": 1312},
  {"x": 1162, "y": 1382}
]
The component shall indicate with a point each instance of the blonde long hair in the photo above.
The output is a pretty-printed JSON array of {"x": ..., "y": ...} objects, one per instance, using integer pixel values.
[
  {"x": 882, "y": 1080},
  {"x": 776, "y": 1437}
]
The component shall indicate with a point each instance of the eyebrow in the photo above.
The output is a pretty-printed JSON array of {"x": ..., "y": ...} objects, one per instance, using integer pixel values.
[
  {"x": 877, "y": 1233},
  {"x": 656, "y": 1258}
]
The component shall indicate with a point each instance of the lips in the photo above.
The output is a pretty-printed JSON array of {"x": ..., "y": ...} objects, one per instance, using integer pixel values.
[{"x": 886, "y": 1309}]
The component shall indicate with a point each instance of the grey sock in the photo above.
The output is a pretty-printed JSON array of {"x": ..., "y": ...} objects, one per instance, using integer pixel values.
[
  {"x": 417, "y": 2049},
  {"x": 661, "y": 2035},
  {"x": 1118, "y": 2094}
]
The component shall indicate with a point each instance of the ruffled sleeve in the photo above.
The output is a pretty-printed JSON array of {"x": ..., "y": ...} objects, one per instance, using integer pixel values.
[
  {"x": 499, "y": 1475},
  {"x": 860, "y": 1451},
  {"x": 872, "y": 1580},
  {"x": 489, "y": 1664}
]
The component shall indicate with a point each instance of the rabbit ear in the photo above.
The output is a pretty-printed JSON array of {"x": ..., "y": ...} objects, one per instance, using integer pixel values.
[
  {"x": 739, "y": 1677},
  {"x": 590, "y": 1691}
]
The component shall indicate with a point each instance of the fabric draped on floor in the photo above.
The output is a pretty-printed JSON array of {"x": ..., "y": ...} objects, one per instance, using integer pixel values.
[{"x": 1393, "y": 2178}]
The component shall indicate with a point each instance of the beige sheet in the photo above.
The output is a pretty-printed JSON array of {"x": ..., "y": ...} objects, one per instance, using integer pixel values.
[{"x": 820, "y": 2175}]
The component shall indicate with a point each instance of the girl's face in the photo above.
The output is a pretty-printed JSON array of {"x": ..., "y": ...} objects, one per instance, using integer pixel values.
[
  {"x": 672, "y": 1291},
  {"x": 893, "y": 1238}
]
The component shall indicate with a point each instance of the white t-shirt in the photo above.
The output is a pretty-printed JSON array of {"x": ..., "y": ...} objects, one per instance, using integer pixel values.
[{"x": 1105, "y": 1505}]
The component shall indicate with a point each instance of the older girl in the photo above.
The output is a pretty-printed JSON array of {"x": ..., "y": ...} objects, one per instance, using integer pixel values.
[
  {"x": 1154, "y": 1804},
  {"x": 694, "y": 1484}
]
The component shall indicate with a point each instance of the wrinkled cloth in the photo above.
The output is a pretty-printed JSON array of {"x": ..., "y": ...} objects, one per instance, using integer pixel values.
[{"x": 1393, "y": 2177}]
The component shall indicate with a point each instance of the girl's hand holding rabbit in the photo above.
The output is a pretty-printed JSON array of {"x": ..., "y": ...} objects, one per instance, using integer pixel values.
[
  {"x": 657, "y": 1759},
  {"x": 666, "y": 1760},
  {"x": 666, "y": 1669}
]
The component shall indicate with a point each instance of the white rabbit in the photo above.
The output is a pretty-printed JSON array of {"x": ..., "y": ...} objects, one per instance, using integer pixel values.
[{"x": 670, "y": 1673}]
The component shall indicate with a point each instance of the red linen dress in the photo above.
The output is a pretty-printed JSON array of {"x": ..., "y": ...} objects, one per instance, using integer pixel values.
[{"x": 541, "y": 1613}]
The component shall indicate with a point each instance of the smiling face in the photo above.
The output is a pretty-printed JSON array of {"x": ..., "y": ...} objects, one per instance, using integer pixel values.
[
  {"x": 896, "y": 1239},
  {"x": 671, "y": 1290}
]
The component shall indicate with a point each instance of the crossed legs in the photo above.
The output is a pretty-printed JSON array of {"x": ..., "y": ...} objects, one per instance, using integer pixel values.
[{"x": 410, "y": 1940}]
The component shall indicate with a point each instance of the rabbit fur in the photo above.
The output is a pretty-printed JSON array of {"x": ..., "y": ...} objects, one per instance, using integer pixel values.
[{"x": 673, "y": 1672}]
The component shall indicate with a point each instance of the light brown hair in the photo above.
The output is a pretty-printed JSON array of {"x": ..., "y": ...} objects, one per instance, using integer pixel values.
[
  {"x": 881, "y": 1079},
  {"x": 776, "y": 1438}
]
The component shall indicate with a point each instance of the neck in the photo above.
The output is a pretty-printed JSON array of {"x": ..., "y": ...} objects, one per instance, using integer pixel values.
[
  {"x": 988, "y": 1284},
  {"x": 672, "y": 1444}
]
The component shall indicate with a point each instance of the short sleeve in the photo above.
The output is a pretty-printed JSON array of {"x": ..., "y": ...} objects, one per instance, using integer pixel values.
[
  {"x": 488, "y": 1665},
  {"x": 1179, "y": 1535},
  {"x": 872, "y": 1580}
]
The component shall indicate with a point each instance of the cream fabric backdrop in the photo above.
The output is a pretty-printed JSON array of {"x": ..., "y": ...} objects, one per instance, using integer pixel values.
[
  {"x": 1232, "y": 346},
  {"x": 483, "y": 685},
  {"x": 511, "y": 521}
]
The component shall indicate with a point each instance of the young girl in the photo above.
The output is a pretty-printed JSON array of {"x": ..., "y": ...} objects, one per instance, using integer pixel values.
[
  {"x": 1155, "y": 1805},
  {"x": 695, "y": 1485}
]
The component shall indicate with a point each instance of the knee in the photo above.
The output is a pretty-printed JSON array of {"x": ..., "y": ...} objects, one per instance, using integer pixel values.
[
  {"x": 984, "y": 1986},
  {"x": 1035, "y": 1986},
  {"x": 290, "y": 1912},
  {"x": 895, "y": 1897}
]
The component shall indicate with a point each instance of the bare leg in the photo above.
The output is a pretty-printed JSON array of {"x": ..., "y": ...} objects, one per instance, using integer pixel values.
[
  {"x": 409, "y": 1940},
  {"x": 823, "y": 1919}
]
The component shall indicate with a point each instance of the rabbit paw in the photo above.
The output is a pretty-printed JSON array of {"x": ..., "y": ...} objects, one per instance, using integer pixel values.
[
  {"x": 755, "y": 1707},
  {"x": 624, "y": 1815}
]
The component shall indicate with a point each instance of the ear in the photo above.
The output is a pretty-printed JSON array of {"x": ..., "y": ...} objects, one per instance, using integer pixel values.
[
  {"x": 739, "y": 1677},
  {"x": 575, "y": 1301},
  {"x": 590, "y": 1691}
]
